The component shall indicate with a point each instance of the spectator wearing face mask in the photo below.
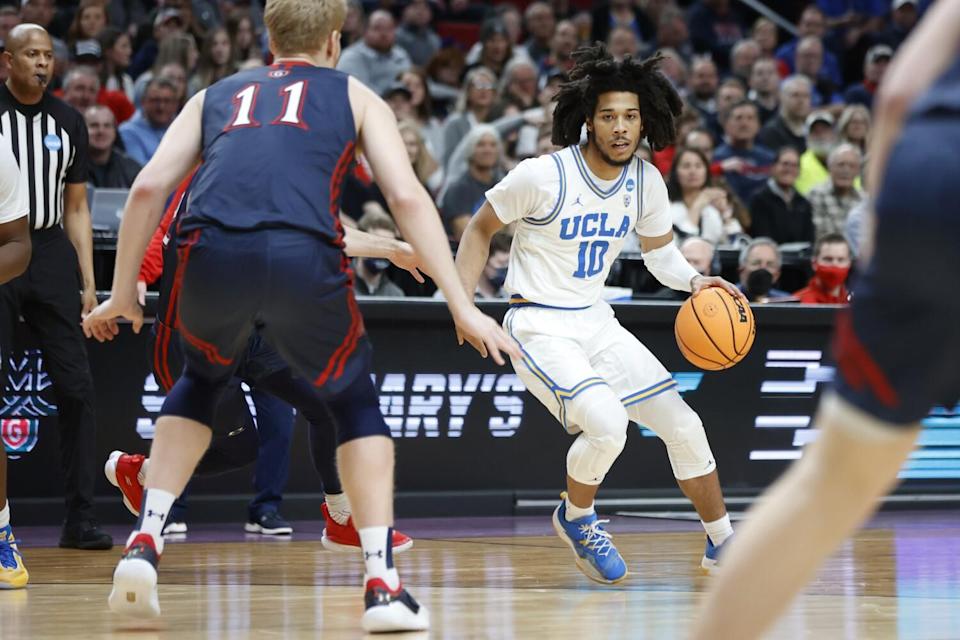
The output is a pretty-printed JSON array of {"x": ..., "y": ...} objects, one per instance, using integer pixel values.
[
  {"x": 494, "y": 273},
  {"x": 372, "y": 279},
  {"x": 760, "y": 263},
  {"x": 831, "y": 266}
]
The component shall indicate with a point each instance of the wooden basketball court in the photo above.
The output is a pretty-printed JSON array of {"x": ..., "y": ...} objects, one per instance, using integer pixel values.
[{"x": 487, "y": 578}]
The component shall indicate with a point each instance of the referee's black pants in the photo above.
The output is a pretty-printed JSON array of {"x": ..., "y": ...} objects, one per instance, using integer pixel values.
[{"x": 48, "y": 298}]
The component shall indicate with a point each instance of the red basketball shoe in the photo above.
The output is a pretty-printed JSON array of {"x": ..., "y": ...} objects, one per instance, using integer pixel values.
[
  {"x": 344, "y": 537},
  {"x": 123, "y": 470}
]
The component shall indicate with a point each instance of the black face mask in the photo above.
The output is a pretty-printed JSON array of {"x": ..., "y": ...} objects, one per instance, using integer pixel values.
[
  {"x": 376, "y": 265},
  {"x": 498, "y": 278},
  {"x": 759, "y": 283}
]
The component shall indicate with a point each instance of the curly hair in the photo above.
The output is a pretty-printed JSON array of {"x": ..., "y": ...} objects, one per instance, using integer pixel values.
[{"x": 597, "y": 72}]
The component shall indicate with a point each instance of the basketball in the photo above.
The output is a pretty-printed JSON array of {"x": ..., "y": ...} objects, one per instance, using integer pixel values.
[{"x": 714, "y": 329}]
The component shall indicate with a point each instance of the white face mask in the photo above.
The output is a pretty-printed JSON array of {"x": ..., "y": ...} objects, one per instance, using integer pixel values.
[{"x": 821, "y": 148}]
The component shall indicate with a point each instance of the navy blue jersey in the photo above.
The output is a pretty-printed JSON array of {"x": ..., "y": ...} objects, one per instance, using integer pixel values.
[{"x": 277, "y": 143}]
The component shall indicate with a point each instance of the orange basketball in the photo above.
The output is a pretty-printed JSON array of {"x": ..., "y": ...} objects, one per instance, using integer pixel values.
[{"x": 714, "y": 329}]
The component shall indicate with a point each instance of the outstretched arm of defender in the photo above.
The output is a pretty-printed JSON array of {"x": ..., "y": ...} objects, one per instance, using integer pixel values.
[
  {"x": 178, "y": 152},
  {"x": 360, "y": 244}
]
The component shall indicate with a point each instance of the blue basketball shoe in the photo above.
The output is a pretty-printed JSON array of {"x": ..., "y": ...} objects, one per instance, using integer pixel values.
[
  {"x": 13, "y": 575},
  {"x": 711, "y": 556},
  {"x": 592, "y": 547}
]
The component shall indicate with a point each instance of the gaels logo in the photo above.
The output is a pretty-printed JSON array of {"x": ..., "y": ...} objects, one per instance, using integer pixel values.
[
  {"x": 19, "y": 435},
  {"x": 278, "y": 73}
]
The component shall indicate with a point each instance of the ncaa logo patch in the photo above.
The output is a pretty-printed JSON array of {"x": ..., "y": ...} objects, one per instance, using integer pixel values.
[
  {"x": 278, "y": 73},
  {"x": 52, "y": 142},
  {"x": 630, "y": 184},
  {"x": 19, "y": 435}
]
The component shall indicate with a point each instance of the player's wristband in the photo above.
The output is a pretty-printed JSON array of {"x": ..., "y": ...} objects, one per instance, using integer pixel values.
[{"x": 669, "y": 266}]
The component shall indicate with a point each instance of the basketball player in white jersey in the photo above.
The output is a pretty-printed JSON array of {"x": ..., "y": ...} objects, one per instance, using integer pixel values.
[{"x": 573, "y": 210}]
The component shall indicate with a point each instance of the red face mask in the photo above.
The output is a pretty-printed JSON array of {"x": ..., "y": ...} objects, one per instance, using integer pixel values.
[{"x": 831, "y": 276}]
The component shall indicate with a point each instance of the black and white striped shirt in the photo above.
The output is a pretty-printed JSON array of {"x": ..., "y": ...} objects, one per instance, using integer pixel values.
[{"x": 49, "y": 141}]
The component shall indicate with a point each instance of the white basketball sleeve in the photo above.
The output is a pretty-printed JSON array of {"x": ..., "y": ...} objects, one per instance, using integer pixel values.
[
  {"x": 13, "y": 193},
  {"x": 666, "y": 264},
  {"x": 669, "y": 266}
]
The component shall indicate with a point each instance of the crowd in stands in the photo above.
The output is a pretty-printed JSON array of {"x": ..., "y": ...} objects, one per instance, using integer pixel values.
[{"x": 770, "y": 150}]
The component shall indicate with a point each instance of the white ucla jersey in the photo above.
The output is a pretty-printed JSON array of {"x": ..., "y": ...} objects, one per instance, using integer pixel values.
[{"x": 571, "y": 225}]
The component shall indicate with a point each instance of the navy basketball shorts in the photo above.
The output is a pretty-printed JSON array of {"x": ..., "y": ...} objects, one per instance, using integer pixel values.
[
  {"x": 260, "y": 361},
  {"x": 232, "y": 414},
  {"x": 291, "y": 286},
  {"x": 898, "y": 345}
]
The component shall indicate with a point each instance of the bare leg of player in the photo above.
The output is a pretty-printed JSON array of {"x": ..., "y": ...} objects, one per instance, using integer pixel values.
[
  {"x": 366, "y": 473},
  {"x": 177, "y": 447},
  {"x": 705, "y": 494},
  {"x": 580, "y": 494},
  {"x": 692, "y": 462},
  {"x": 817, "y": 503}
]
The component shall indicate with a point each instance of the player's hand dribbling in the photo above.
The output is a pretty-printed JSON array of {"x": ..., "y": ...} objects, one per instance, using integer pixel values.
[
  {"x": 101, "y": 323},
  {"x": 699, "y": 283},
  {"x": 406, "y": 258},
  {"x": 485, "y": 335}
]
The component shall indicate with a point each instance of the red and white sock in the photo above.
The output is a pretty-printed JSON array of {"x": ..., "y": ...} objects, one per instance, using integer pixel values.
[{"x": 378, "y": 555}]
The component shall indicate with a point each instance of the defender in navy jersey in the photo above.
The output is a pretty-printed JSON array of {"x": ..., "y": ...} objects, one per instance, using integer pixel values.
[
  {"x": 896, "y": 348},
  {"x": 236, "y": 441},
  {"x": 262, "y": 248}
]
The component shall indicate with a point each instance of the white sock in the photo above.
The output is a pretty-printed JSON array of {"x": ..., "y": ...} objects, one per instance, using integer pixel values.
[
  {"x": 142, "y": 475},
  {"x": 156, "y": 507},
  {"x": 575, "y": 513},
  {"x": 5, "y": 515},
  {"x": 378, "y": 555},
  {"x": 718, "y": 530},
  {"x": 339, "y": 506}
]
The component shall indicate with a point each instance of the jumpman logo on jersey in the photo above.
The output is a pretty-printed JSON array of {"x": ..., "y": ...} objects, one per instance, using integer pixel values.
[{"x": 576, "y": 202}]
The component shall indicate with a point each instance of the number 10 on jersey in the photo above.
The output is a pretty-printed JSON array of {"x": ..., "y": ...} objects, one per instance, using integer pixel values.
[{"x": 590, "y": 258}]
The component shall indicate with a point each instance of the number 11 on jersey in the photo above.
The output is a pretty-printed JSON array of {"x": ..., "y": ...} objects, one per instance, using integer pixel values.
[{"x": 245, "y": 101}]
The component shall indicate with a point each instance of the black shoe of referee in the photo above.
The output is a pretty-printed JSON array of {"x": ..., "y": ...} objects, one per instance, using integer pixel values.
[{"x": 86, "y": 535}]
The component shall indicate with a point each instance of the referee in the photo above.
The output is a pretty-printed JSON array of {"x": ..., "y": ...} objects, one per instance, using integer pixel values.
[{"x": 49, "y": 140}]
